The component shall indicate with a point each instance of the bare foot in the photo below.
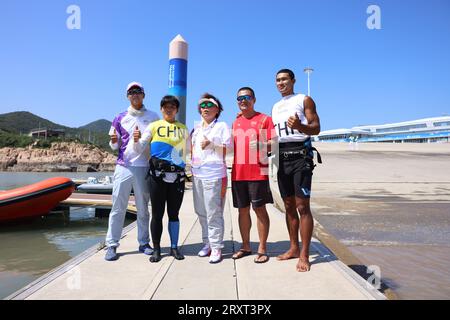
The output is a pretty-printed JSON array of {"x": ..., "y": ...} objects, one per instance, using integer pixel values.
[
  {"x": 290, "y": 254},
  {"x": 303, "y": 265}
]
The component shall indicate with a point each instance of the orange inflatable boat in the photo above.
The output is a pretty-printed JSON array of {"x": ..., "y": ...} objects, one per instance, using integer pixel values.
[{"x": 36, "y": 199}]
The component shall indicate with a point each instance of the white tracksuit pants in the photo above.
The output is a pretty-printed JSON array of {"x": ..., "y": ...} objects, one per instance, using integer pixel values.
[
  {"x": 126, "y": 178},
  {"x": 209, "y": 207}
]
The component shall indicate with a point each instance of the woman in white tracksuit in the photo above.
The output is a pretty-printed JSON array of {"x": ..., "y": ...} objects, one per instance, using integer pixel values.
[{"x": 210, "y": 140}]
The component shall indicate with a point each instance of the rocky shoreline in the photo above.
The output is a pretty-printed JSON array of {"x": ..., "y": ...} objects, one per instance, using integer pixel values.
[{"x": 60, "y": 157}]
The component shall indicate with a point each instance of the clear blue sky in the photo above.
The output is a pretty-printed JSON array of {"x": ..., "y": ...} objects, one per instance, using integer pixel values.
[{"x": 362, "y": 76}]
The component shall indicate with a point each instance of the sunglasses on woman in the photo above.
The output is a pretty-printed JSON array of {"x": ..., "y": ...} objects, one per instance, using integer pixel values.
[{"x": 207, "y": 105}]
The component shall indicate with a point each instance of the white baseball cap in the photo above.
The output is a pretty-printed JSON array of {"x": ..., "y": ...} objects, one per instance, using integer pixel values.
[{"x": 135, "y": 84}]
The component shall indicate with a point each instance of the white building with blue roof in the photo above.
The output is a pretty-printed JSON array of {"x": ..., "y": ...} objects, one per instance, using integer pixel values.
[{"x": 427, "y": 130}]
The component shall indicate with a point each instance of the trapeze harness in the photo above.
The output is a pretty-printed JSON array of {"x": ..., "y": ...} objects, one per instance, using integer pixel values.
[
  {"x": 299, "y": 150},
  {"x": 164, "y": 166}
]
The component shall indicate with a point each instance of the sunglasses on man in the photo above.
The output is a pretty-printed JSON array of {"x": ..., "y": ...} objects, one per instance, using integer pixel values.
[
  {"x": 207, "y": 105},
  {"x": 244, "y": 97},
  {"x": 135, "y": 91}
]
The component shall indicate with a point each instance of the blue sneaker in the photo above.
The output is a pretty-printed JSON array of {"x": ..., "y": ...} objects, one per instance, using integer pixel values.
[
  {"x": 111, "y": 254},
  {"x": 146, "y": 249}
]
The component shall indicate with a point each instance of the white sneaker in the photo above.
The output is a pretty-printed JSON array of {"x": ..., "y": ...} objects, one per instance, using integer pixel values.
[
  {"x": 216, "y": 256},
  {"x": 206, "y": 251}
]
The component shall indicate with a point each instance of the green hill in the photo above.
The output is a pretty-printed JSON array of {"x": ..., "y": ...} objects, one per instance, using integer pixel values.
[
  {"x": 24, "y": 121},
  {"x": 101, "y": 125},
  {"x": 20, "y": 123}
]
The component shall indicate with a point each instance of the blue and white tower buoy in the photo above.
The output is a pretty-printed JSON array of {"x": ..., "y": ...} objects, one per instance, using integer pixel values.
[{"x": 178, "y": 55}]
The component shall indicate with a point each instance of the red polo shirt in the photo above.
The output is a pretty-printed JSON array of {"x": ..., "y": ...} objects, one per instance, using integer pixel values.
[{"x": 251, "y": 164}]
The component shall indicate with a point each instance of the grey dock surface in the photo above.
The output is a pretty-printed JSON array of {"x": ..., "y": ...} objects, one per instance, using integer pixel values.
[{"x": 89, "y": 276}]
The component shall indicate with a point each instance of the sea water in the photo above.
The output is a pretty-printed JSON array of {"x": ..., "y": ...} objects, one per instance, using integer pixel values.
[
  {"x": 409, "y": 242},
  {"x": 31, "y": 248}
]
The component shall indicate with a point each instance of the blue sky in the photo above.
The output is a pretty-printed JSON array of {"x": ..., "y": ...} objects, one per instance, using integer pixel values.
[{"x": 362, "y": 76}]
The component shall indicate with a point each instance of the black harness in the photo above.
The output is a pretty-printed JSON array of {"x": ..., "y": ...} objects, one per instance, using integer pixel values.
[
  {"x": 297, "y": 150},
  {"x": 164, "y": 167}
]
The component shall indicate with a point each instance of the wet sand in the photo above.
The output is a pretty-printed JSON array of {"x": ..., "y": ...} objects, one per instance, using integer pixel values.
[{"x": 390, "y": 204}]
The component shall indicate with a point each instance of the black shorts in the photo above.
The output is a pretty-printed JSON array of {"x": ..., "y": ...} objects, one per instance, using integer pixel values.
[
  {"x": 295, "y": 177},
  {"x": 255, "y": 192}
]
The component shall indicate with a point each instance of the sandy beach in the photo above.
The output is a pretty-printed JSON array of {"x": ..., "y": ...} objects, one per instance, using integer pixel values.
[{"x": 390, "y": 205}]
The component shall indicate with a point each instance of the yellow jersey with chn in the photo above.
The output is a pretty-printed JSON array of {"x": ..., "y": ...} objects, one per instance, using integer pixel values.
[{"x": 168, "y": 141}]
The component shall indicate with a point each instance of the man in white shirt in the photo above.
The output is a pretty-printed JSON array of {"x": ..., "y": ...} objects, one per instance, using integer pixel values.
[
  {"x": 295, "y": 119},
  {"x": 131, "y": 171}
]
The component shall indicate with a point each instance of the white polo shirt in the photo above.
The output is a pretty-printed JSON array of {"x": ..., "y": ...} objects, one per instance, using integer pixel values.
[{"x": 209, "y": 164}]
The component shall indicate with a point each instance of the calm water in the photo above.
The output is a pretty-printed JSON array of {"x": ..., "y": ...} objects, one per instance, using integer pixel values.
[
  {"x": 32, "y": 248},
  {"x": 408, "y": 241},
  {"x": 412, "y": 271}
]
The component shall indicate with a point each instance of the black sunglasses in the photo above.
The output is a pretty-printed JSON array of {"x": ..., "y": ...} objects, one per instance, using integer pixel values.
[
  {"x": 134, "y": 91},
  {"x": 244, "y": 97}
]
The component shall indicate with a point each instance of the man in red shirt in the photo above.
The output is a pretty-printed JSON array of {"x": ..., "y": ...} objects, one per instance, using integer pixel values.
[{"x": 252, "y": 132}]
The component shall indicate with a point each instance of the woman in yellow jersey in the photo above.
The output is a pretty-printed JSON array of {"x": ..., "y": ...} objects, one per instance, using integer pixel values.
[{"x": 168, "y": 146}]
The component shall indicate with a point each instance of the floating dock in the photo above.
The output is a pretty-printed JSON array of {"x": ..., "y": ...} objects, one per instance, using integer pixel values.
[
  {"x": 97, "y": 201},
  {"x": 88, "y": 276}
]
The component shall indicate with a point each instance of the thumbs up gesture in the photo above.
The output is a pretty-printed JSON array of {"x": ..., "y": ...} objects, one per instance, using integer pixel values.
[
  {"x": 136, "y": 134},
  {"x": 205, "y": 143},
  {"x": 114, "y": 136},
  {"x": 294, "y": 122}
]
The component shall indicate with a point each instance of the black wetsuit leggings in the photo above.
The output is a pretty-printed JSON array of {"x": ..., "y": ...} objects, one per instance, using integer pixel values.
[{"x": 160, "y": 193}]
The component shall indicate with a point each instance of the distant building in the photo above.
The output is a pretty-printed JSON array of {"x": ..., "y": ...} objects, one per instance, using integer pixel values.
[
  {"x": 423, "y": 130},
  {"x": 47, "y": 133}
]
